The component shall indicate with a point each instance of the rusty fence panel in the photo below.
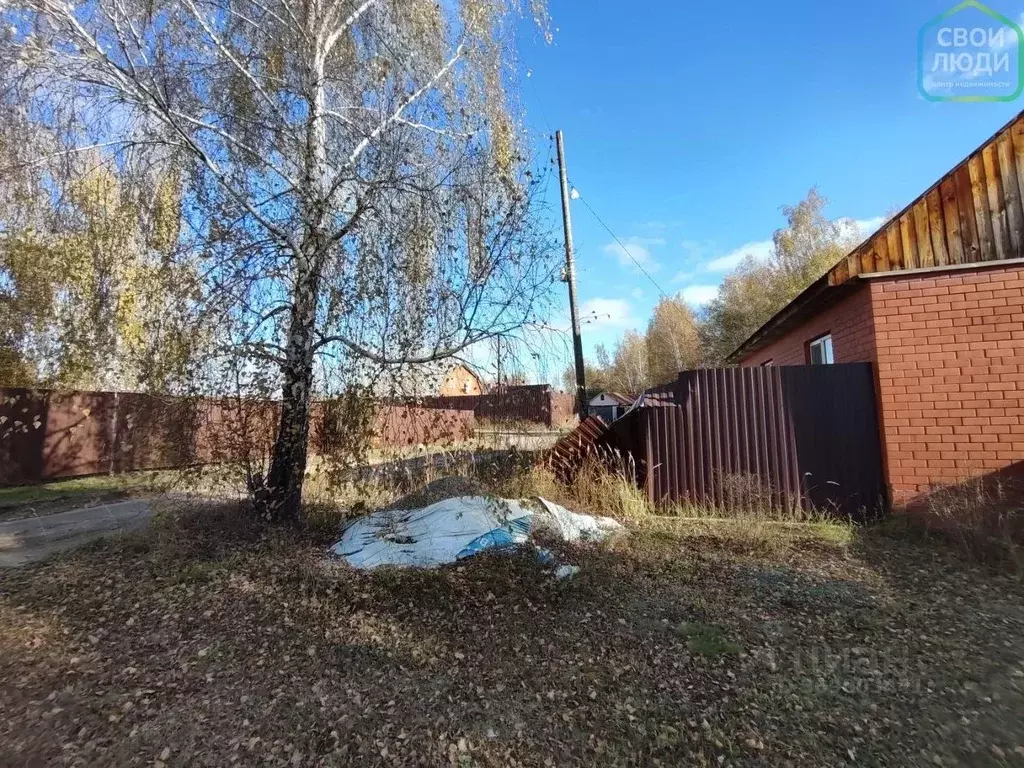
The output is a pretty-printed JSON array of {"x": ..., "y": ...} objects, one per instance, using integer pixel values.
[{"x": 783, "y": 437}]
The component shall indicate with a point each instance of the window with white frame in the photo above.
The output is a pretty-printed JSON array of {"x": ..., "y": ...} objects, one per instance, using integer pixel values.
[{"x": 819, "y": 350}]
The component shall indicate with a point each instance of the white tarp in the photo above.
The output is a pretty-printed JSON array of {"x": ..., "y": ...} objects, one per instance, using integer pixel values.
[{"x": 457, "y": 528}]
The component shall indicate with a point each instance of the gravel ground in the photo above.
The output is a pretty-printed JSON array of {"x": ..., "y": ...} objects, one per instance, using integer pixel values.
[{"x": 203, "y": 641}]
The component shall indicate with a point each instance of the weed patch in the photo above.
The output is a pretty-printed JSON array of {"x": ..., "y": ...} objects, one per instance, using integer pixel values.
[{"x": 707, "y": 640}]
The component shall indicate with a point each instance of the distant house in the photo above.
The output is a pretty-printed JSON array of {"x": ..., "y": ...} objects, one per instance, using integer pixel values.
[
  {"x": 609, "y": 406},
  {"x": 429, "y": 380},
  {"x": 935, "y": 301},
  {"x": 460, "y": 380}
]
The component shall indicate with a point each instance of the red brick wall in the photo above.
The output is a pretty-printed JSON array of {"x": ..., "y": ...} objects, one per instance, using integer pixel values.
[
  {"x": 950, "y": 374},
  {"x": 850, "y": 323}
]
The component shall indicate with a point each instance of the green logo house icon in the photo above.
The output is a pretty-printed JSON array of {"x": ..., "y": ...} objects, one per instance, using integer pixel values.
[{"x": 970, "y": 53}]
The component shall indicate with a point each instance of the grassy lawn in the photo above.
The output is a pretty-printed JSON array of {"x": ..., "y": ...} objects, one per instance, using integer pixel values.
[
  {"x": 57, "y": 496},
  {"x": 207, "y": 642}
]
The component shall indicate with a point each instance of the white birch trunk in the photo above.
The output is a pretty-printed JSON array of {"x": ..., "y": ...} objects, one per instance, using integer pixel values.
[{"x": 288, "y": 465}]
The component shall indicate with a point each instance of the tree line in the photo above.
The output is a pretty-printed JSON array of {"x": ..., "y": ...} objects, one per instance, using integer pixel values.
[{"x": 677, "y": 338}]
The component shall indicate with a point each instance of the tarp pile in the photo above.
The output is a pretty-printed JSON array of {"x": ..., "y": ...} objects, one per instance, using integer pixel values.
[{"x": 457, "y": 528}]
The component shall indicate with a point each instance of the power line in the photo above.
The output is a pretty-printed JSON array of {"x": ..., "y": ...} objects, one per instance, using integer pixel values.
[
  {"x": 699, "y": 331},
  {"x": 625, "y": 250},
  {"x": 540, "y": 104}
]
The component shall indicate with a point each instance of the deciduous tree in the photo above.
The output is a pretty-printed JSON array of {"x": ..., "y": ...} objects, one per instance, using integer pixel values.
[
  {"x": 353, "y": 170},
  {"x": 803, "y": 250},
  {"x": 673, "y": 342}
]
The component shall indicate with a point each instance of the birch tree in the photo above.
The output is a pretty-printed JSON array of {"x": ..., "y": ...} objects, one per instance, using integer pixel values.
[
  {"x": 630, "y": 374},
  {"x": 673, "y": 343},
  {"x": 803, "y": 251},
  {"x": 353, "y": 168}
]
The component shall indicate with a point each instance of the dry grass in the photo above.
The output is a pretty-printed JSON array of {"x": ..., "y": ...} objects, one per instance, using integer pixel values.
[
  {"x": 983, "y": 518},
  {"x": 609, "y": 488},
  {"x": 697, "y": 639}
]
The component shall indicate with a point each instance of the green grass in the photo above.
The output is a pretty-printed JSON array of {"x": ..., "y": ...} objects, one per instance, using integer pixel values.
[
  {"x": 62, "y": 489},
  {"x": 707, "y": 639},
  {"x": 60, "y": 495}
]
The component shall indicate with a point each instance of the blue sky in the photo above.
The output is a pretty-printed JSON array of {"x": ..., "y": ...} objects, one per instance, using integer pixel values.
[{"x": 688, "y": 124}]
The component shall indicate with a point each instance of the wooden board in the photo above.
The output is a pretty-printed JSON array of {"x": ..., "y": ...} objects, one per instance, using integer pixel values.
[
  {"x": 924, "y": 237},
  {"x": 968, "y": 220},
  {"x": 882, "y": 263},
  {"x": 868, "y": 260},
  {"x": 1017, "y": 144},
  {"x": 996, "y": 203},
  {"x": 894, "y": 242},
  {"x": 840, "y": 273},
  {"x": 951, "y": 219},
  {"x": 852, "y": 269},
  {"x": 908, "y": 236},
  {"x": 1011, "y": 193},
  {"x": 979, "y": 196},
  {"x": 937, "y": 228}
]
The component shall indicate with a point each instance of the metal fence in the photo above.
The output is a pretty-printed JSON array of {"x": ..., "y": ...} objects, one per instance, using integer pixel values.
[
  {"x": 45, "y": 435},
  {"x": 535, "y": 403},
  {"x": 778, "y": 436}
]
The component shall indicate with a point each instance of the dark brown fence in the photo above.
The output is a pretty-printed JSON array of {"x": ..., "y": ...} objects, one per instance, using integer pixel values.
[
  {"x": 45, "y": 435},
  {"x": 535, "y": 403},
  {"x": 779, "y": 436},
  {"x": 570, "y": 452}
]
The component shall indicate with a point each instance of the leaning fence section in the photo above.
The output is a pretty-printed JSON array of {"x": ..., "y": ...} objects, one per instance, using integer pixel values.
[{"x": 783, "y": 437}]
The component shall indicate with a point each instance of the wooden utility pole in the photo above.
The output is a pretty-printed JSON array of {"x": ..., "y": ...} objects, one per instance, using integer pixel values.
[{"x": 570, "y": 278}]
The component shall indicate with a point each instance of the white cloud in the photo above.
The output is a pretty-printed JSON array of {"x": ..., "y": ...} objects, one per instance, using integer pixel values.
[
  {"x": 682, "y": 276},
  {"x": 637, "y": 293},
  {"x": 699, "y": 295},
  {"x": 606, "y": 313},
  {"x": 856, "y": 229},
  {"x": 696, "y": 248},
  {"x": 634, "y": 251},
  {"x": 659, "y": 225},
  {"x": 760, "y": 249},
  {"x": 867, "y": 227}
]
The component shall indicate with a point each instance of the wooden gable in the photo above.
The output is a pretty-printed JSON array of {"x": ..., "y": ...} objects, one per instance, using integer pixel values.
[{"x": 973, "y": 214}]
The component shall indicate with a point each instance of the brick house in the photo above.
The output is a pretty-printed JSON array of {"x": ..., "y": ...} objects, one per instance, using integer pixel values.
[
  {"x": 935, "y": 300},
  {"x": 444, "y": 379},
  {"x": 460, "y": 380}
]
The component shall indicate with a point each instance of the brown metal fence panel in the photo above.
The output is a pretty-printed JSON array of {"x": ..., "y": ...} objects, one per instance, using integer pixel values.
[
  {"x": 569, "y": 454},
  {"x": 783, "y": 437},
  {"x": 46, "y": 435},
  {"x": 535, "y": 403},
  {"x": 65, "y": 432}
]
